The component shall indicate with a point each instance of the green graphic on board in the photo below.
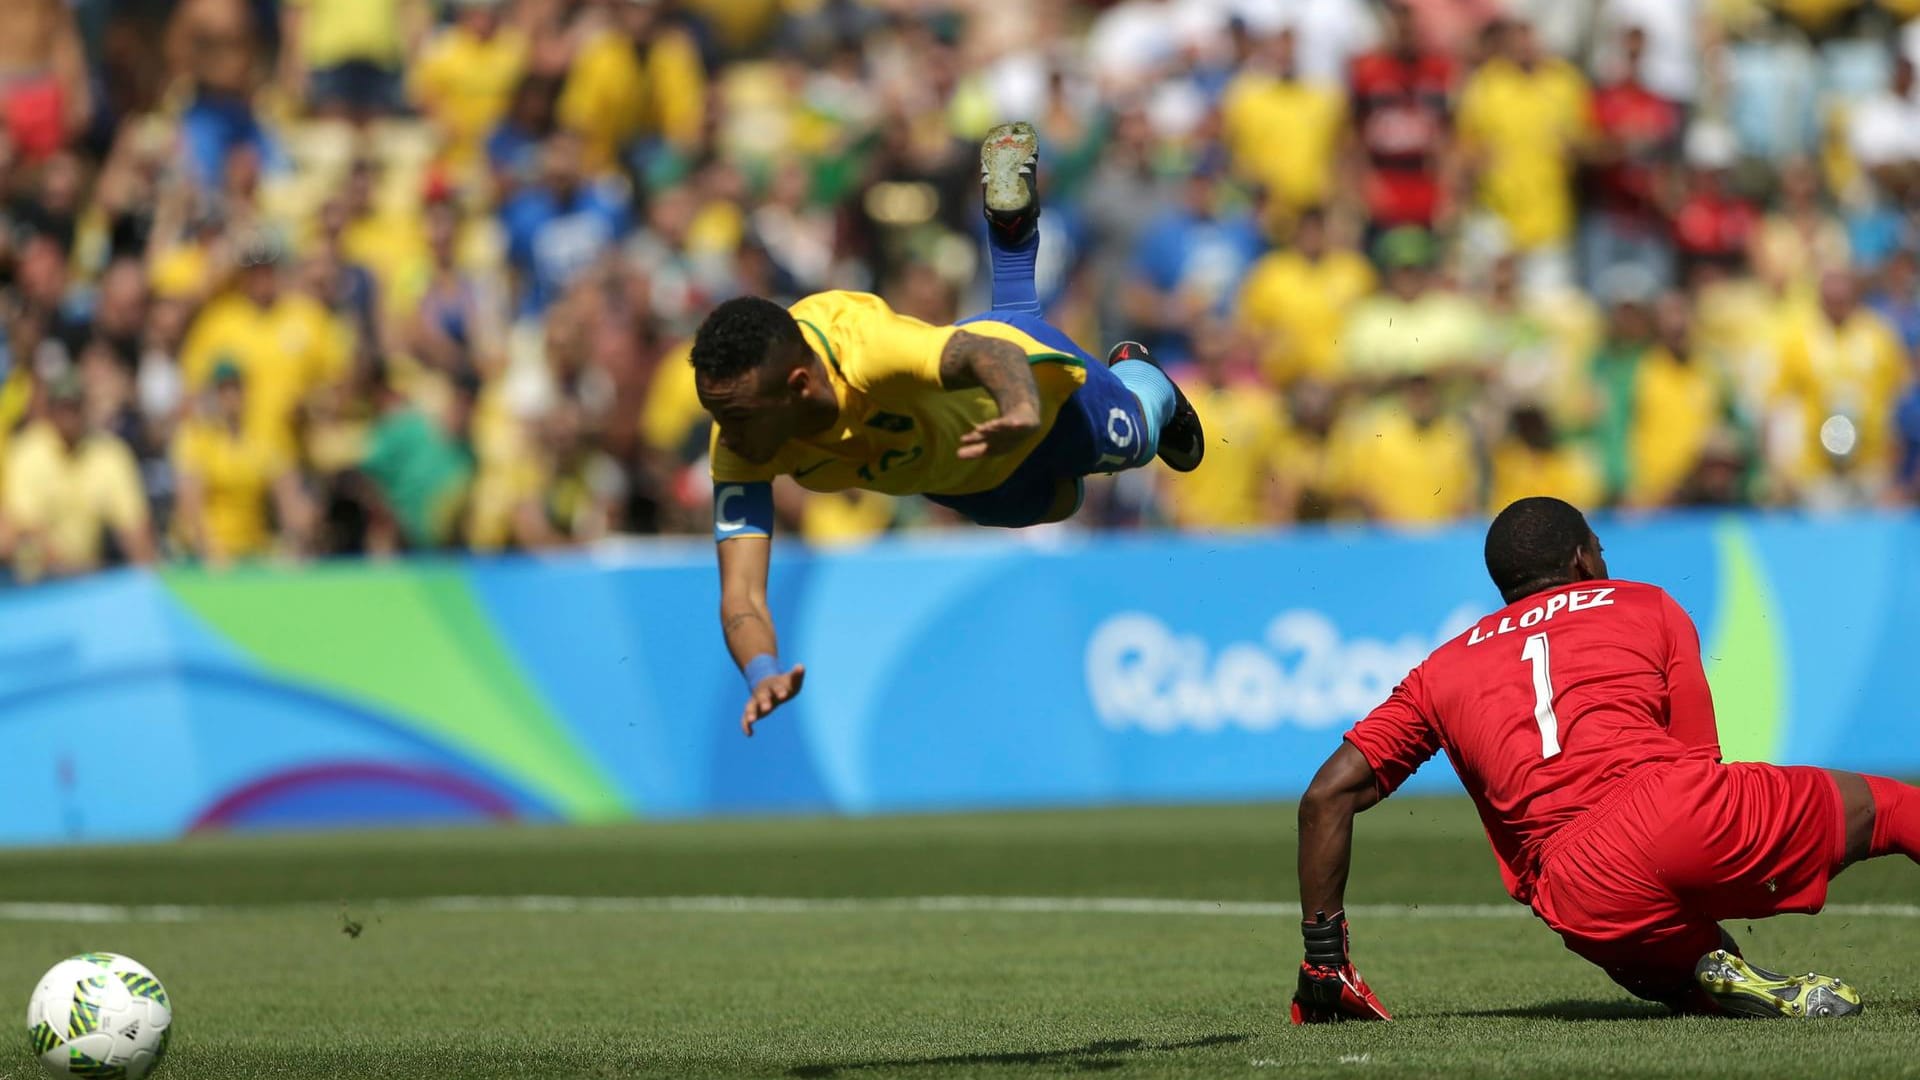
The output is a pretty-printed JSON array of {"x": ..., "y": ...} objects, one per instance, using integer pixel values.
[
  {"x": 1745, "y": 659},
  {"x": 415, "y": 644}
]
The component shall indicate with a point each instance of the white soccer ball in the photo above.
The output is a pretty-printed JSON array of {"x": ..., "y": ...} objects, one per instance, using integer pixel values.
[{"x": 99, "y": 1015}]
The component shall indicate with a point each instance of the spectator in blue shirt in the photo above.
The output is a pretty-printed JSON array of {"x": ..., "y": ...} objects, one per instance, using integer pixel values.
[
  {"x": 513, "y": 150},
  {"x": 1896, "y": 298},
  {"x": 1188, "y": 264},
  {"x": 561, "y": 225}
]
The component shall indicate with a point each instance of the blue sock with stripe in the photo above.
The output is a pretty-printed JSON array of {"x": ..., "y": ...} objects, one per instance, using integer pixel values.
[
  {"x": 1155, "y": 392},
  {"x": 1013, "y": 273}
]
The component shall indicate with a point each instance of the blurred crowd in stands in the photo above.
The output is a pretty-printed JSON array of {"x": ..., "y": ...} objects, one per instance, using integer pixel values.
[{"x": 285, "y": 279}]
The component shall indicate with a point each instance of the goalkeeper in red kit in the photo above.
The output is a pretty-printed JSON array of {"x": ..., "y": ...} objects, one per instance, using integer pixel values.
[{"x": 1579, "y": 719}]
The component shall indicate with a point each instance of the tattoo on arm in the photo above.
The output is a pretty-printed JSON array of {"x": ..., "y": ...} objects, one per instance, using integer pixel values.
[
  {"x": 998, "y": 367},
  {"x": 737, "y": 619}
]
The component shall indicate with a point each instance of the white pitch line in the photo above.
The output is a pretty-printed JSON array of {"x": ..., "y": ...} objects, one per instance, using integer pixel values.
[
  {"x": 770, "y": 905},
  {"x": 103, "y": 913},
  {"x": 1018, "y": 905}
]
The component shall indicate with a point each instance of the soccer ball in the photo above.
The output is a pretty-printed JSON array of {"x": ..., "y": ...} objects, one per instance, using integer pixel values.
[{"x": 99, "y": 1015}]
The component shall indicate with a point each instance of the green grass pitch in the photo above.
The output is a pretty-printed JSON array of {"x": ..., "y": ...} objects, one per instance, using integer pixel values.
[{"x": 266, "y": 983}]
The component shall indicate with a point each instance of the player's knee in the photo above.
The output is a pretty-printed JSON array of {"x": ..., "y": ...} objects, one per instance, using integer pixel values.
[{"x": 1857, "y": 812}]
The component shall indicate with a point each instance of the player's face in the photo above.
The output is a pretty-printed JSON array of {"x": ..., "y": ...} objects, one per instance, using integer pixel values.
[{"x": 756, "y": 413}]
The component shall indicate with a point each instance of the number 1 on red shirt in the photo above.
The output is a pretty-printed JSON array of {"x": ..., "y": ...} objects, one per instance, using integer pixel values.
[{"x": 1536, "y": 651}]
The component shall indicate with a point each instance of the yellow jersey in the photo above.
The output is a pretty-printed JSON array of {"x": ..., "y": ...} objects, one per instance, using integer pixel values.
[
  {"x": 1235, "y": 490},
  {"x": 613, "y": 96},
  {"x": 1853, "y": 371},
  {"x": 465, "y": 83},
  {"x": 1298, "y": 305},
  {"x": 1677, "y": 406},
  {"x": 337, "y": 31},
  {"x": 844, "y": 518},
  {"x": 1526, "y": 126},
  {"x": 69, "y": 496},
  {"x": 671, "y": 411},
  {"x": 1405, "y": 474},
  {"x": 236, "y": 472},
  {"x": 899, "y": 430},
  {"x": 285, "y": 352},
  {"x": 1284, "y": 134},
  {"x": 1565, "y": 472}
]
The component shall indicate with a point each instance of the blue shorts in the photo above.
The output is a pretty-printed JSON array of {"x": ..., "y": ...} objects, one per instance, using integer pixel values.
[
  {"x": 357, "y": 86},
  {"x": 1100, "y": 429}
]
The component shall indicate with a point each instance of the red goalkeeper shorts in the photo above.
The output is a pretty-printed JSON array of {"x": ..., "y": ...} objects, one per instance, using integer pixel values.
[{"x": 1639, "y": 884}]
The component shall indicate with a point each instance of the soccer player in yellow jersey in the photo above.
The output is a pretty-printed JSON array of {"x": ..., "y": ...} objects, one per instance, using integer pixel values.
[{"x": 997, "y": 418}]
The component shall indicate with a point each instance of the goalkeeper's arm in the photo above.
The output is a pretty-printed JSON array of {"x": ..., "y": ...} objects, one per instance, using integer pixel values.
[{"x": 1330, "y": 988}]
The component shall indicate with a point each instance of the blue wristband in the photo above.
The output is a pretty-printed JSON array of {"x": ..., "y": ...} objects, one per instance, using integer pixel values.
[{"x": 759, "y": 668}]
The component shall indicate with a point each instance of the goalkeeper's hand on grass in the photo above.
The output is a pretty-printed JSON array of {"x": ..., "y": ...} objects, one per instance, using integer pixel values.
[{"x": 1330, "y": 989}]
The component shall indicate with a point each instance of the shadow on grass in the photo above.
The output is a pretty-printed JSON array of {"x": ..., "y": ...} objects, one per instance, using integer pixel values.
[
  {"x": 1093, "y": 1057},
  {"x": 1568, "y": 1010}
]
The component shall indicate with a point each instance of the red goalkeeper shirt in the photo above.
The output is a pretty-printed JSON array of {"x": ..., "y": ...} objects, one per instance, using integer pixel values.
[{"x": 1545, "y": 706}]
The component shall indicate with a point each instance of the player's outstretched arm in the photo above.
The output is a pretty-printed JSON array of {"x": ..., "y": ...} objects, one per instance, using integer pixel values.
[
  {"x": 1330, "y": 988},
  {"x": 1343, "y": 787},
  {"x": 748, "y": 625},
  {"x": 1002, "y": 370}
]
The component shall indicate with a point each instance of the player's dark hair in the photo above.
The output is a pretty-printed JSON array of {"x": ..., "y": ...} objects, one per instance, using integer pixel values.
[
  {"x": 741, "y": 334},
  {"x": 1531, "y": 546}
]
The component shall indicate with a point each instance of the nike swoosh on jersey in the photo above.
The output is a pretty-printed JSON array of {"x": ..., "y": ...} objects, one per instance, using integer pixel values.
[{"x": 815, "y": 467}]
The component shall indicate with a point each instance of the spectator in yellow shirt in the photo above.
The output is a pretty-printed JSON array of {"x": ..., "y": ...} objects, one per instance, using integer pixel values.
[
  {"x": 1800, "y": 240},
  {"x": 641, "y": 77},
  {"x": 1413, "y": 326},
  {"x": 1841, "y": 372},
  {"x": 345, "y": 56},
  {"x": 1308, "y": 485},
  {"x": 1539, "y": 345},
  {"x": 1238, "y": 489},
  {"x": 285, "y": 344},
  {"x": 383, "y": 235},
  {"x": 466, "y": 78},
  {"x": 1297, "y": 299},
  {"x": 1283, "y": 132},
  {"x": 1523, "y": 118},
  {"x": 68, "y": 489},
  {"x": 229, "y": 479},
  {"x": 840, "y": 519},
  {"x": 1678, "y": 405},
  {"x": 553, "y": 489},
  {"x": 1407, "y": 463},
  {"x": 1535, "y": 460}
]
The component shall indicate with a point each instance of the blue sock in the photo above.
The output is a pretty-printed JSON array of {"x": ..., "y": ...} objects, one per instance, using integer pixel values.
[
  {"x": 1155, "y": 392},
  {"x": 1013, "y": 270}
]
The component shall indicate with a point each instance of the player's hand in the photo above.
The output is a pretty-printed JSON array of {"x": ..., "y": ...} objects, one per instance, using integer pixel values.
[
  {"x": 1330, "y": 988},
  {"x": 769, "y": 694},
  {"x": 1330, "y": 994},
  {"x": 999, "y": 435}
]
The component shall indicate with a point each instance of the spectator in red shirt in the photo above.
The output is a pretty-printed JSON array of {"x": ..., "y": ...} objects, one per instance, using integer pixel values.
[
  {"x": 1631, "y": 173},
  {"x": 1402, "y": 111},
  {"x": 1714, "y": 224}
]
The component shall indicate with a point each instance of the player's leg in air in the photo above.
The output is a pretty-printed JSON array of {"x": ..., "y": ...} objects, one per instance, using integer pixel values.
[
  {"x": 1739, "y": 841},
  {"x": 1126, "y": 413}
]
